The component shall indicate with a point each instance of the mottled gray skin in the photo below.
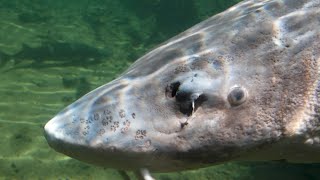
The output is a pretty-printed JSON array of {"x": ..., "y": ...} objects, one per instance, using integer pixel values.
[{"x": 176, "y": 108}]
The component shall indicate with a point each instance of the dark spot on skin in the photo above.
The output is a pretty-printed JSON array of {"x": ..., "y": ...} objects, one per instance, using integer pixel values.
[
  {"x": 182, "y": 68},
  {"x": 144, "y": 132},
  {"x": 228, "y": 58},
  {"x": 116, "y": 124},
  {"x": 88, "y": 121},
  {"x": 133, "y": 115},
  {"x": 122, "y": 113},
  {"x": 104, "y": 122},
  {"x": 126, "y": 125},
  {"x": 82, "y": 120},
  {"x": 109, "y": 118},
  {"x": 107, "y": 112},
  {"x": 74, "y": 120},
  {"x": 96, "y": 116},
  {"x": 101, "y": 132},
  {"x": 123, "y": 130},
  {"x": 257, "y": 11},
  {"x": 199, "y": 64},
  {"x": 147, "y": 143},
  {"x": 140, "y": 134},
  {"x": 137, "y": 132},
  {"x": 184, "y": 124}
]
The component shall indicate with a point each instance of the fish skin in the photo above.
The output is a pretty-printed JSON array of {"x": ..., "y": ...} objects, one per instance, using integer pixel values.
[{"x": 242, "y": 85}]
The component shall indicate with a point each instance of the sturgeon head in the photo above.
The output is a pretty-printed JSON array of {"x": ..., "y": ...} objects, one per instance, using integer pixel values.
[{"x": 242, "y": 85}]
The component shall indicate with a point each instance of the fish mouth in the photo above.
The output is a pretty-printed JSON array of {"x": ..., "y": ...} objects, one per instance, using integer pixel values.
[{"x": 111, "y": 157}]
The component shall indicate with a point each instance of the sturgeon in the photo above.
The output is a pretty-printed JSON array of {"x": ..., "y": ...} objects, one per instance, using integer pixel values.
[{"x": 242, "y": 85}]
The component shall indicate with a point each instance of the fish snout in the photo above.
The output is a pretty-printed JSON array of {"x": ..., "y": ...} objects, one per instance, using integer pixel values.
[{"x": 96, "y": 131}]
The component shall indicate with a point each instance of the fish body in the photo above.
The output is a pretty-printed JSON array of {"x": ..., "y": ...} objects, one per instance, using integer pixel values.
[{"x": 242, "y": 85}]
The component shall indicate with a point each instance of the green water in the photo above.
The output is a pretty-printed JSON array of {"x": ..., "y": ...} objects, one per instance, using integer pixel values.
[{"x": 53, "y": 52}]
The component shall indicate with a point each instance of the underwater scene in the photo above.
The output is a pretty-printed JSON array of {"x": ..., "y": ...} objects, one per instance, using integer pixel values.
[{"x": 54, "y": 52}]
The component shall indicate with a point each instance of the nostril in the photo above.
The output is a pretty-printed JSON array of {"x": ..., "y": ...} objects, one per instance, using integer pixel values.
[
  {"x": 187, "y": 99},
  {"x": 202, "y": 98},
  {"x": 189, "y": 102},
  {"x": 172, "y": 89}
]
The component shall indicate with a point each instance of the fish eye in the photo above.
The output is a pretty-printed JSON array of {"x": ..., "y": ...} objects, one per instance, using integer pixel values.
[{"x": 237, "y": 96}]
